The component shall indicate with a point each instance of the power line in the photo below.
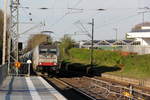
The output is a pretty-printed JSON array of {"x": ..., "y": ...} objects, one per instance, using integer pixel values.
[
  {"x": 77, "y": 3},
  {"x": 58, "y": 20},
  {"x": 114, "y": 21},
  {"x": 61, "y": 18},
  {"x": 118, "y": 20}
]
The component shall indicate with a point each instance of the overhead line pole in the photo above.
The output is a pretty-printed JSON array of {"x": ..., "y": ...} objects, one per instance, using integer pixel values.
[
  {"x": 92, "y": 42},
  {"x": 14, "y": 27},
  {"x": 116, "y": 32},
  {"x": 14, "y": 35},
  {"x": 17, "y": 35},
  {"x": 4, "y": 32}
]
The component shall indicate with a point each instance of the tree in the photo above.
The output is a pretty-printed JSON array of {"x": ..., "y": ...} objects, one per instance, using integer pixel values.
[
  {"x": 138, "y": 26},
  {"x": 66, "y": 44},
  {"x": 36, "y": 40}
]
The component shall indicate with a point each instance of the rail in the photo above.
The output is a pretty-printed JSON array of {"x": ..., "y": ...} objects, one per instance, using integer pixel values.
[
  {"x": 119, "y": 90},
  {"x": 76, "y": 89},
  {"x": 71, "y": 86},
  {"x": 98, "y": 88}
]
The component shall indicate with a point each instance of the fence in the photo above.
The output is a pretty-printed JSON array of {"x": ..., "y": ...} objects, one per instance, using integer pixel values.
[
  {"x": 23, "y": 70},
  {"x": 3, "y": 73},
  {"x": 138, "y": 82},
  {"x": 136, "y": 48},
  {"x": 128, "y": 48}
]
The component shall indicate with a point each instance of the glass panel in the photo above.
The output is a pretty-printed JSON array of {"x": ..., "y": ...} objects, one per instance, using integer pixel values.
[
  {"x": 43, "y": 50},
  {"x": 52, "y": 51}
]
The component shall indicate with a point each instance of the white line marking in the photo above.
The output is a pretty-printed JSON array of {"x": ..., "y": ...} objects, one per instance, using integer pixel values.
[
  {"x": 52, "y": 90},
  {"x": 32, "y": 89}
]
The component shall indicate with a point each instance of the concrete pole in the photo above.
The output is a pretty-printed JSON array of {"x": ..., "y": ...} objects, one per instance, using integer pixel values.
[
  {"x": 116, "y": 32},
  {"x": 143, "y": 15},
  {"x": 92, "y": 42},
  {"x": 4, "y": 32}
]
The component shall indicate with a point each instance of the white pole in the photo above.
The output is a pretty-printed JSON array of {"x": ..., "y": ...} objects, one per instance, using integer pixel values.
[
  {"x": 4, "y": 31},
  {"x": 29, "y": 62},
  {"x": 28, "y": 69}
]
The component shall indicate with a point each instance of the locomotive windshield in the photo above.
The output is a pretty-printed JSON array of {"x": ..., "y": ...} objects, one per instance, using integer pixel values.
[
  {"x": 52, "y": 51},
  {"x": 49, "y": 51},
  {"x": 43, "y": 50}
]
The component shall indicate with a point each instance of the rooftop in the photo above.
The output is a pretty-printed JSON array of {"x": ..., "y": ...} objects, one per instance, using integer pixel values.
[{"x": 144, "y": 30}]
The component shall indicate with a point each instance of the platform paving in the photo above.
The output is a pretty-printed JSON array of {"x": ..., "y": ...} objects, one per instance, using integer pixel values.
[{"x": 28, "y": 88}]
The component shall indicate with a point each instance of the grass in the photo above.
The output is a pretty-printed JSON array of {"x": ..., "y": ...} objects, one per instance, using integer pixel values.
[
  {"x": 100, "y": 57},
  {"x": 135, "y": 66}
]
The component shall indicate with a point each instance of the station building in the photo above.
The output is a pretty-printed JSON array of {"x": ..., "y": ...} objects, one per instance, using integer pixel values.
[{"x": 142, "y": 35}]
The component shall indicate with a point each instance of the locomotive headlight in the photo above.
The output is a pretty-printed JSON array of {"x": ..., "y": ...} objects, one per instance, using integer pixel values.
[
  {"x": 40, "y": 63},
  {"x": 55, "y": 63}
]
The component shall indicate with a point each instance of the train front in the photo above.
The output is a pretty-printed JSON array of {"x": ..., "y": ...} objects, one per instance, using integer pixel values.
[{"x": 48, "y": 59}]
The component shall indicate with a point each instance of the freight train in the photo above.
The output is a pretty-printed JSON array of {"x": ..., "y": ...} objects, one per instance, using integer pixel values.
[{"x": 44, "y": 57}]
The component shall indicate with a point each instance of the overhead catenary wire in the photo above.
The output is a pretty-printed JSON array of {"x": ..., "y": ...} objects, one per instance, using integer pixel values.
[
  {"x": 74, "y": 8},
  {"x": 71, "y": 11},
  {"x": 118, "y": 21},
  {"x": 110, "y": 22},
  {"x": 61, "y": 18},
  {"x": 113, "y": 22},
  {"x": 27, "y": 15}
]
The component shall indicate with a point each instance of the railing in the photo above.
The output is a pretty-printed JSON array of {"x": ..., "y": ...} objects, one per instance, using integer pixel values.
[
  {"x": 127, "y": 48},
  {"x": 137, "y": 82},
  {"x": 23, "y": 70},
  {"x": 138, "y": 49},
  {"x": 3, "y": 73},
  {"x": 121, "y": 92}
]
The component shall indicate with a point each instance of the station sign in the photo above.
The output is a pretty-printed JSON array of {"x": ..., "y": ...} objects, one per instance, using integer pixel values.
[{"x": 17, "y": 64}]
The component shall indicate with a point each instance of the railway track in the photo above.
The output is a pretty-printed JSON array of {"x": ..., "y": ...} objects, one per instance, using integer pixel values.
[
  {"x": 72, "y": 93},
  {"x": 118, "y": 91},
  {"x": 97, "y": 88},
  {"x": 127, "y": 84},
  {"x": 94, "y": 88}
]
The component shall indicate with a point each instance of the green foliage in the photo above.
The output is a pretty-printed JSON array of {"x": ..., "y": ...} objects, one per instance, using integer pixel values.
[
  {"x": 36, "y": 40},
  {"x": 136, "y": 66},
  {"x": 66, "y": 44}
]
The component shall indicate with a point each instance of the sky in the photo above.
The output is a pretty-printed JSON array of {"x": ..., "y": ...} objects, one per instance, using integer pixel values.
[{"x": 73, "y": 16}]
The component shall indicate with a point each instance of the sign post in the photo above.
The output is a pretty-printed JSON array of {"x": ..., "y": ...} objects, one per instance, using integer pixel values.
[
  {"x": 17, "y": 65},
  {"x": 29, "y": 62}
]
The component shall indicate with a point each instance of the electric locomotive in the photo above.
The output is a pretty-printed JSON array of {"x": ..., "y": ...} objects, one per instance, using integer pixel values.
[{"x": 44, "y": 57}]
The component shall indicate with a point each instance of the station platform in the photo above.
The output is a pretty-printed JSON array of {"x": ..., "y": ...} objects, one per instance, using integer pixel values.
[{"x": 28, "y": 88}]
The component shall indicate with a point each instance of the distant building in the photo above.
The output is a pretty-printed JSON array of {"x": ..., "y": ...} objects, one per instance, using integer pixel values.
[
  {"x": 141, "y": 36},
  {"x": 102, "y": 43}
]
